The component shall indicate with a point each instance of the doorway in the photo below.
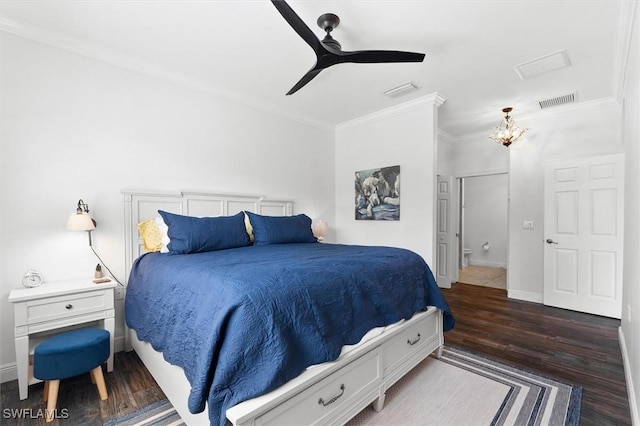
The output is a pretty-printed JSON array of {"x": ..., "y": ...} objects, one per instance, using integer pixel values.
[{"x": 483, "y": 230}]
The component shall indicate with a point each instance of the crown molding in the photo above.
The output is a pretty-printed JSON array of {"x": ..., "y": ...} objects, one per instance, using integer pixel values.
[
  {"x": 445, "y": 137},
  {"x": 131, "y": 63},
  {"x": 432, "y": 99},
  {"x": 628, "y": 14},
  {"x": 471, "y": 137}
]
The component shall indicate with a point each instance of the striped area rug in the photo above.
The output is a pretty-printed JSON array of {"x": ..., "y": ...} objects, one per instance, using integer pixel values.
[
  {"x": 161, "y": 413},
  {"x": 458, "y": 389},
  {"x": 465, "y": 389}
]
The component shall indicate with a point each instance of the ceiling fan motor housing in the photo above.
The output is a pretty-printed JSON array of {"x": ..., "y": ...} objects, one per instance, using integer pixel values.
[{"x": 328, "y": 22}]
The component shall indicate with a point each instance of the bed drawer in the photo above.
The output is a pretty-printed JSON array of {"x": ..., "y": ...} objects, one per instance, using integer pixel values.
[
  {"x": 353, "y": 387},
  {"x": 411, "y": 341}
]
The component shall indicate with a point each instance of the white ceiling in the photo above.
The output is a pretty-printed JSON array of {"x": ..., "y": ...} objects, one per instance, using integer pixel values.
[{"x": 246, "y": 51}]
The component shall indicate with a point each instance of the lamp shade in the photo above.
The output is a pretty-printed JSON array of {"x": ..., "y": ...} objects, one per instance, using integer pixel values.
[
  {"x": 80, "y": 222},
  {"x": 320, "y": 229}
]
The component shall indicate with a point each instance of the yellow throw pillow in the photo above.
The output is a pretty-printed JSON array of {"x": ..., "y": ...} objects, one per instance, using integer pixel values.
[
  {"x": 247, "y": 224},
  {"x": 151, "y": 235}
]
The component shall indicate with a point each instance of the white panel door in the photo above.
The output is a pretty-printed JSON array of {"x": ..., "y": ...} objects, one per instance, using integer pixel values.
[
  {"x": 583, "y": 227},
  {"x": 444, "y": 273}
]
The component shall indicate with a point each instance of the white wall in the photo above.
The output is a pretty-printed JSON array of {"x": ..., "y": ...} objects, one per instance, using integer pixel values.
[
  {"x": 630, "y": 327},
  {"x": 75, "y": 128},
  {"x": 485, "y": 219},
  {"x": 406, "y": 136},
  {"x": 562, "y": 133},
  {"x": 476, "y": 154},
  {"x": 446, "y": 161}
]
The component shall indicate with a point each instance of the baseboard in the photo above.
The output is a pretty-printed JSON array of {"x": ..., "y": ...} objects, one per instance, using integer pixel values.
[
  {"x": 524, "y": 295},
  {"x": 488, "y": 263},
  {"x": 118, "y": 344},
  {"x": 9, "y": 372},
  {"x": 633, "y": 401}
]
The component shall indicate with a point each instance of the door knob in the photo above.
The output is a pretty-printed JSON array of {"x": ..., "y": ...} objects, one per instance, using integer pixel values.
[{"x": 550, "y": 241}]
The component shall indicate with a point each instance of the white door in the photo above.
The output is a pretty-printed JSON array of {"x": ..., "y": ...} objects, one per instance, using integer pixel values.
[
  {"x": 583, "y": 227},
  {"x": 444, "y": 233}
]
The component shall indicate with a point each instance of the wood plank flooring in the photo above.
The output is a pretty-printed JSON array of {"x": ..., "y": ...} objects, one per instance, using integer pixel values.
[{"x": 571, "y": 347}]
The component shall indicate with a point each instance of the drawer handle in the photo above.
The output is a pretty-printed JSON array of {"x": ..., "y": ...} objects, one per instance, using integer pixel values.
[
  {"x": 414, "y": 342},
  {"x": 69, "y": 306},
  {"x": 334, "y": 399}
]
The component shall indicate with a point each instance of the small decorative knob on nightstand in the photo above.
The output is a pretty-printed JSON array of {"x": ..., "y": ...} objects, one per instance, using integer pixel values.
[{"x": 69, "y": 306}]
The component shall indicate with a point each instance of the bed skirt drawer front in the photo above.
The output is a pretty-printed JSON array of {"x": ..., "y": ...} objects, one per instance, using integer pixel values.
[
  {"x": 334, "y": 399},
  {"x": 409, "y": 347}
]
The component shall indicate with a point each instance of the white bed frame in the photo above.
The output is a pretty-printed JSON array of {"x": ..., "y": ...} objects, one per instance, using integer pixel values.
[{"x": 330, "y": 393}]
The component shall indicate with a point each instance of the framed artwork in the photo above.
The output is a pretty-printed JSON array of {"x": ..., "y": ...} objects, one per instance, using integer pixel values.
[{"x": 378, "y": 194}]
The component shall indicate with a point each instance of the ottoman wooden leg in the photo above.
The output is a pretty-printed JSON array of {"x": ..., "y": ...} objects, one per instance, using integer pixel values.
[
  {"x": 98, "y": 378},
  {"x": 52, "y": 398},
  {"x": 45, "y": 392}
]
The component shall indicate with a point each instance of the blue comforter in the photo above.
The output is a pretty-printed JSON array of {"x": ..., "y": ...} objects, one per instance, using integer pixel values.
[{"x": 241, "y": 322}]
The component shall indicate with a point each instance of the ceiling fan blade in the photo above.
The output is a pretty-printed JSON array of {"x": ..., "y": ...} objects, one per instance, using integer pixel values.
[
  {"x": 379, "y": 56},
  {"x": 297, "y": 24},
  {"x": 313, "y": 72}
]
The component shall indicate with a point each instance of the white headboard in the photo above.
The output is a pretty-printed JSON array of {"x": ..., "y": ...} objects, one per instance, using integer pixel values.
[{"x": 141, "y": 205}]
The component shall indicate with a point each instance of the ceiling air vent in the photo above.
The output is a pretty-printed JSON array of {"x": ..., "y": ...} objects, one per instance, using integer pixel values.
[
  {"x": 543, "y": 64},
  {"x": 560, "y": 100},
  {"x": 402, "y": 90}
]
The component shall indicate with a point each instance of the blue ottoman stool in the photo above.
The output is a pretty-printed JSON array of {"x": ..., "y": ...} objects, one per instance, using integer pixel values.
[{"x": 70, "y": 354}]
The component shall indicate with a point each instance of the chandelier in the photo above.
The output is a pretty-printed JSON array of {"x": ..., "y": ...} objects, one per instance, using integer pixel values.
[{"x": 507, "y": 132}]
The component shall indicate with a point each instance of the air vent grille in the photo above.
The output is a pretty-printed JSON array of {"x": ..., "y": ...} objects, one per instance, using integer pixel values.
[
  {"x": 402, "y": 90},
  {"x": 543, "y": 64},
  {"x": 560, "y": 100}
]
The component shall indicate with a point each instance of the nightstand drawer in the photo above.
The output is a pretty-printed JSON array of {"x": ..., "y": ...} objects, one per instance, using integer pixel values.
[{"x": 55, "y": 308}]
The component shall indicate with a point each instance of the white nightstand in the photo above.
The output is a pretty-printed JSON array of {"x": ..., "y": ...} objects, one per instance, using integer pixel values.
[{"x": 54, "y": 307}]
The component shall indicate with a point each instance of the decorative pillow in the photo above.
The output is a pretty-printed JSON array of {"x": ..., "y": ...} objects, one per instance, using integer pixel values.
[
  {"x": 190, "y": 234},
  {"x": 154, "y": 235},
  {"x": 281, "y": 229},
  {"x": 151, "y": 236}
]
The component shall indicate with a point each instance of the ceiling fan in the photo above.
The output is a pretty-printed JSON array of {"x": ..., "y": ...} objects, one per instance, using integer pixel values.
[{"x": 329, "y": 52}]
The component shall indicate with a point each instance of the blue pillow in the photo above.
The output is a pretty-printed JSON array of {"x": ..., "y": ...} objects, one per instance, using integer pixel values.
[
  {"x": 281, "y": 229},
  {"x": 190, "y": 234}
]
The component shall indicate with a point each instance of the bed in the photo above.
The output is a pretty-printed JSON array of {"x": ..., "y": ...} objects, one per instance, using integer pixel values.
[{"x": 279, "y": 331}]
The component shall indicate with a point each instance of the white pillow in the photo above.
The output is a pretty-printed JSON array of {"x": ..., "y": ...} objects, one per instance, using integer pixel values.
[{"x": 164, "y": 230}]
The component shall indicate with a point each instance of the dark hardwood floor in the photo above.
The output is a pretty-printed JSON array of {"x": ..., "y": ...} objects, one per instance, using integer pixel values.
[{"x": 570, "y": 347}]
